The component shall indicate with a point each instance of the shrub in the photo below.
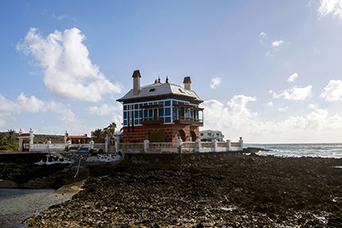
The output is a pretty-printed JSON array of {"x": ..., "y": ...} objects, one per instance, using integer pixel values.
[{"x": 157, "y": 136}]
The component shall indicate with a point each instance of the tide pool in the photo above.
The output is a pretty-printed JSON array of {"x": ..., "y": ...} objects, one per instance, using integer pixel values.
[{"x": 18, "y": 204}]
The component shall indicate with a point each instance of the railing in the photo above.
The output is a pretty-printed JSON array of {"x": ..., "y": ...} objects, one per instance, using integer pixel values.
[
  {"x": 138, "y": 146},
  {"x": 179, "y": 146},
  {"x": 189, "y": 145},
  {"x": 188, "y": 120},
  {"x": 162, "y": 145},
  {"x": 207, "y": 145},
  {"x": 152, "y": 120}
]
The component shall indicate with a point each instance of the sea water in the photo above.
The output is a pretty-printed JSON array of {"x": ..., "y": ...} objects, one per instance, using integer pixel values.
[
  {"x": 18, "y": 204},
  {"x": 324, "y": 150}
]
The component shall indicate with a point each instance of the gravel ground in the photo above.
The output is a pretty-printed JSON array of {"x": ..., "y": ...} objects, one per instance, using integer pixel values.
[{"x": 206, "y": 190}]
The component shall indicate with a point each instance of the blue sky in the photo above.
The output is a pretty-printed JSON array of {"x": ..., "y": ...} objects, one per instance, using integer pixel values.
[{"x": 268, "y": 71}]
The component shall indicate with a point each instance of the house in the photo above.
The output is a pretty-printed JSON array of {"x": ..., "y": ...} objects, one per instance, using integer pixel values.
[
  {"x": 76, "y": 139},
  {"x": 161, "y": 107},
  {"x": 210, "y": 135}
]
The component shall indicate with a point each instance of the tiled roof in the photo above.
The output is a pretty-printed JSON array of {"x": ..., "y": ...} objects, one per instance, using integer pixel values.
[{"x": 161, "y": 89}]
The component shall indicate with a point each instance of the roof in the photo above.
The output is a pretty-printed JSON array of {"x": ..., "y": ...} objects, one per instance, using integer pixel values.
[
  {"x": 161, "y": 89},
  {"x": 77, "y": 137}
]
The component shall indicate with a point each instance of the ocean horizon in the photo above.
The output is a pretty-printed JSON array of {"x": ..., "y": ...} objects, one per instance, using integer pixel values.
[{"x": 324, "y": 150}]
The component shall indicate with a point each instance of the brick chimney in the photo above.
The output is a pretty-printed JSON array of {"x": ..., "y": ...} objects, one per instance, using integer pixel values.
[
  {"x": 136, "y": 82},
  {"x": 187, "y": 83}
]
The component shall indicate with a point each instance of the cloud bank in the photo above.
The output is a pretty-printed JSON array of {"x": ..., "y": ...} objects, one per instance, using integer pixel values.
[
  {"x": 68, "y": 71},
  {"x": 215, "y": 82},
  {"x": 330, "y": 6}
]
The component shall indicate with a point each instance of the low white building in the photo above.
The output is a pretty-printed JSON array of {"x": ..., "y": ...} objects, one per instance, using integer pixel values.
[{"x": 210, "y": 135}]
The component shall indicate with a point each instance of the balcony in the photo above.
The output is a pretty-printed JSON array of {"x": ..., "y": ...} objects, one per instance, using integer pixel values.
[
  {"x": 152, "y": 120},
  {"x": 188, "y": 121}
]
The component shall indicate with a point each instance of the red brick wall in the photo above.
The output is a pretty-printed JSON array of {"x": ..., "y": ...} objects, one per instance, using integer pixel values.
[{"x": 141, "y": 132}]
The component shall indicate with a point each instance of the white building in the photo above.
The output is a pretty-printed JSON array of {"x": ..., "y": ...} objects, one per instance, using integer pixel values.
[{"x": 210, "y": 135}]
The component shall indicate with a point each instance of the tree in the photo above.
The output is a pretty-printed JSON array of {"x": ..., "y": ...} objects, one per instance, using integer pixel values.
[
  {"x": 97, "y": 133},
  {"x": 10, "y": 135},
  {"x": 110, "y": 129},
  {"x": 2, "y": 137}
]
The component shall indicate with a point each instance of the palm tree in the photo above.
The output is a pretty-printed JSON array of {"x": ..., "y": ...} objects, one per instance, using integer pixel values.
[
  {"x": 10, "y": 135},
  {"x": 110, "y": 129},
  {"x": 97, "y": 133}
]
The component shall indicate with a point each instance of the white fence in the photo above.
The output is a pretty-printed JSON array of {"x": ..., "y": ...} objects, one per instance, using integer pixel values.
[
  {"x": 179, "y": 147},
  {"x": 58, "y": 147}
]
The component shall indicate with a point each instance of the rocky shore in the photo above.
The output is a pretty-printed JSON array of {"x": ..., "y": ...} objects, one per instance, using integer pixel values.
[{"x": 206, "y": 190}]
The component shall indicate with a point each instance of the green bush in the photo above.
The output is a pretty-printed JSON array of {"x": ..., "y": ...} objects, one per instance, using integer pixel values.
[
  {"x": 157, "y": 136},
  {"x": 204, "y": 140},
  {"x": 11, "y": 147}
]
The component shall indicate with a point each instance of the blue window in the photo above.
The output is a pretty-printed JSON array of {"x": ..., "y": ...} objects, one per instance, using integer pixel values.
[
  {"x": 128, "y": 107},
  {"x": 167, "y": 119},
  {"x": 140, "y": 122},
  {"x": 140, "y": 113},
  {"x": 140, "y": 105},
  {"x": 167, "y": 103},
  {"x": 136, "y": 106},
  {"x": 136, "y": 122},
  {"x": 125, "y": 107},
  {"x": 161, "y": 112},
  {"x": 125, "y": 115},
  {"x": 155, "y": 102},
  {"x": 136, "y": 114},
  {"x": 150, "y": 103},
  {"x": 125, "y": 122},
  {"x": 175, "y": 113},
  {"x": 174, "y": 102},
  {"x": 167, "y": 111},
  {"x": 150, "y": 113},
  {"x": 145, "y": 113},
  {"x": 160, "y": 102},
  {"x": 145, "y": 104}
]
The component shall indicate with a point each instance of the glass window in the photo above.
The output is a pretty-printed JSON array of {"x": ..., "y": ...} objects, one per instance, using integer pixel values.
[
  {"x": 136, "y": 121},
  {"x": 140, "y": 113},
  {"x": 125, "y": 115},
  {"x": 155, "y": 102},
  {"x": 201, "y": 134},
  {"x": 136, "y": 114},
  {"x": 136, "y": 106},
  {"x": 125, "y": 107},
  {"x": 140, "y": 122},
  {"x": 161, "y": 112},
  {"x": 150, "y": 113},
  {"x": 175, "y": 113},
  {"x": 167, "y": 111},
  {"x": 145, "y": 113},
  {"x": 167, "y": 119},
  {"x": 161, "y": 102},
  {"x": 174, "y": 102},
  {"x": 150, "y": 103},
  {"x": 145, "y": 104},
  {"x": 152, "y": 90},
  {"x": 140, "y": 105},
  {"x": 167, "y": 103},
  {"x": 125, "y": 122}
]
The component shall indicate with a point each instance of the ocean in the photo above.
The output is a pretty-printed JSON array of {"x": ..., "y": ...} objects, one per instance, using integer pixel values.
[
  {"x": 325, "y": 150},
  {"x": 18, "y": 204}
]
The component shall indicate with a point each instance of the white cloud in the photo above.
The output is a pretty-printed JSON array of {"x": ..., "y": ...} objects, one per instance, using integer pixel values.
[
  {"x": 33, "y": 105},
  {"x": 293, "y": 77},
  {"x": 68, "y": 71},
  {"x": 333, "y": 91},
  {"x": 312, "y": 106},
  {"x": 105, "y": 110},
  {"x": 277, "y": 43},
  {"x": 283, "y": 109},
  {"x": 330, "y": 6},
  {"x": 241, "y": 121},
  {"x": 215, "y": 82},
  {"x": 295, "y": 93},
  {"x": 269, "y": 104}
]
